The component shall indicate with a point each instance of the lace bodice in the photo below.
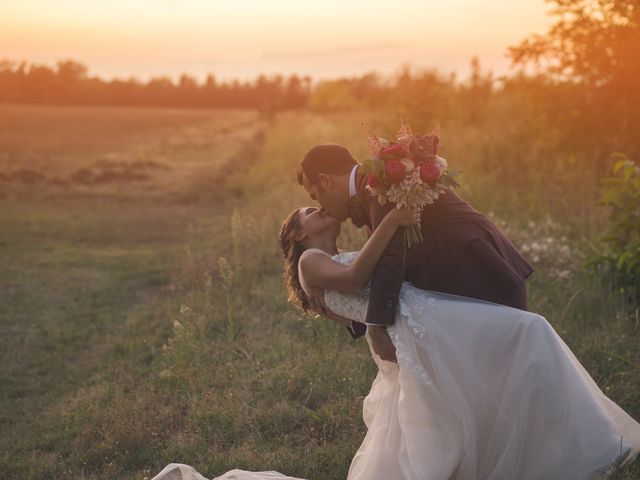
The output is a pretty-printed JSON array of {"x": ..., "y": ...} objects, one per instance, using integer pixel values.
[
  {"x": 414, "y": 303},
  {"x": 352, "y": 305},
  {"x": 414, "y": 306}
]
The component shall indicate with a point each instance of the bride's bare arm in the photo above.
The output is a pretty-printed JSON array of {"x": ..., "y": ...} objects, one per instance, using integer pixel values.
[{"x": 322, "y": 272}]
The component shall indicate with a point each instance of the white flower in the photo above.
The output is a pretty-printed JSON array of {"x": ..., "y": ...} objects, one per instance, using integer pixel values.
[
  {"x": 411, "y": 192},
  {"x": 441, "y": 163},
  {"x": 408, "y": 164}
]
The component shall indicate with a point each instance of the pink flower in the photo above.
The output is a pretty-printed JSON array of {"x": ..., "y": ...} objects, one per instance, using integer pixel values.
[
  {"x": 429, "y": 172},
  {"x": 373, "y": 181},
  {"x": 395, "y": 170}
]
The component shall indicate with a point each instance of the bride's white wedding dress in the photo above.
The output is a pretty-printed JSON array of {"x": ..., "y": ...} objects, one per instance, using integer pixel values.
[{"x": 480, "y": 391}]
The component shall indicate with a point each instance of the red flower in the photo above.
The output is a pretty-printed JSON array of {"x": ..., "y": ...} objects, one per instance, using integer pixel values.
[
  {"x": 373, "y": 181},
  {"x": 394, "y": 148},
  {"x": 395, "y": 170},
  {"x": 429, "y": 172}
]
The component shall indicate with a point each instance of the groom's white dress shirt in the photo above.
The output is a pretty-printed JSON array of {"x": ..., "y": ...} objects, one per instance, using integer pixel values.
[{"x": 352, "y": 182}]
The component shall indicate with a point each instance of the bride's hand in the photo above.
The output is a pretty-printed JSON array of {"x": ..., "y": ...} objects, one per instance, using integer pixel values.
[{"x": 405, "y": 217}]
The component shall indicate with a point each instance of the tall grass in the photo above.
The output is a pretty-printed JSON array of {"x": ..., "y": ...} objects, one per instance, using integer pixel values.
[
  {"x": 219, "y": 372},
  {"x": 315, "y": 357}
]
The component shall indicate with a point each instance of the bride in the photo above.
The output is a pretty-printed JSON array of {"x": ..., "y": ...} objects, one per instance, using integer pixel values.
[{"x": 478, "y": 391}]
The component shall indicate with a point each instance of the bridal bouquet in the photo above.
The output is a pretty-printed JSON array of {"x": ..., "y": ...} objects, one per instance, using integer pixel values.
[{"x": 407, "y": 172}]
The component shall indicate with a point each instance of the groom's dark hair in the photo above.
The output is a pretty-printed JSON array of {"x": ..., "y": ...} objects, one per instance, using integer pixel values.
[{"x": 326, "y": 158}]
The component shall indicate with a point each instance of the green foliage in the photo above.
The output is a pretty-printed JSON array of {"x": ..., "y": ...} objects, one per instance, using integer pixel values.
[{"x": 620, "y": 245}]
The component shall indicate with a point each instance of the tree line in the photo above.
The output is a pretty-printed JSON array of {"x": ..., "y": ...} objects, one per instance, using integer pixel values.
[{"x": 68, "y": 83}]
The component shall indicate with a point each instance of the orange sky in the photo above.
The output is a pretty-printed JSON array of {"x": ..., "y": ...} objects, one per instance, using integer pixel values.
[{"x": 242, "y": 38}]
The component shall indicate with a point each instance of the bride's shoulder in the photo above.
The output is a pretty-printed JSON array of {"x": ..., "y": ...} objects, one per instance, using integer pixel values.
[
  {"x": 312, "y": 251},
  {"x": 312, "y": 255}
]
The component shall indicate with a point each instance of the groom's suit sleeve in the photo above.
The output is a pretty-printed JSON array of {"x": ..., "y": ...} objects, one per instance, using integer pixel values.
[{"x": 389, "y": 272}]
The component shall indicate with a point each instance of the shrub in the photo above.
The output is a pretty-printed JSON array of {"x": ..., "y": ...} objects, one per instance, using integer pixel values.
[{"x": 619, "y": 247}]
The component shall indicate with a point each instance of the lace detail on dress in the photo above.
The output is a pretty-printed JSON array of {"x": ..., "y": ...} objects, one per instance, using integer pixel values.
[
  {"x": 351, "y": 305},
  {"x": 406, "y": 356},
  {"x": 346, "y": 258},
  {"x": 411, "y": 317},
  {"x": 415, "y": 305},
  {"x": 303, "y": 282},
  {"x": 412, "y": 311}
]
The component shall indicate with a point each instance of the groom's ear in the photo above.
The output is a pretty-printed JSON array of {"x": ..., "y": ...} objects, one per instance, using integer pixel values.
[{"x": 325, "y": 181}]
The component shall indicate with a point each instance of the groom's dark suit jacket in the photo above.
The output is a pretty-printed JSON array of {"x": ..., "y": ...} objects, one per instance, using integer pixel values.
[{"x": 463, "y": 253}]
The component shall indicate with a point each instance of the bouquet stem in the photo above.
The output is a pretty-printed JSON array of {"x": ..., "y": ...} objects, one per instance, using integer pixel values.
[{"x": 413, "y": 236}]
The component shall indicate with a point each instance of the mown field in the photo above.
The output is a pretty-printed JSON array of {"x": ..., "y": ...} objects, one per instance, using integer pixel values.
[{"x": 142, "y": 317}]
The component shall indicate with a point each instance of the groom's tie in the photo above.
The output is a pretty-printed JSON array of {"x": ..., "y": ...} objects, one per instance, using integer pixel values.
[{"x": 357, "y": 213}]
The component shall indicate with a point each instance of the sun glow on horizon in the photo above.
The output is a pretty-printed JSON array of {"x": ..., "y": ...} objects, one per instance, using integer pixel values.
[{"x": 243, "y": 38}]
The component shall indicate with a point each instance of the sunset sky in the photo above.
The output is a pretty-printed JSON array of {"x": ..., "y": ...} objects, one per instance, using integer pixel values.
[{"x": 242, "y": 38}]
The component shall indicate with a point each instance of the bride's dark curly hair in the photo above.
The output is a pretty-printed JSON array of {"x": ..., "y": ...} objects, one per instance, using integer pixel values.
[{"x": 292, "y": 249}]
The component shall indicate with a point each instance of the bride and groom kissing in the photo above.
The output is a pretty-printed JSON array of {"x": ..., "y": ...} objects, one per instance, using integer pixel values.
[
  {"x": 470, "y": 385},
  {"x": 462, "y": 253}
]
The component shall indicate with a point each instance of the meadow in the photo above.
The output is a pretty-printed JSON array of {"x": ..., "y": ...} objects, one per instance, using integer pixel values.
[{"x": 142, "y": 315}]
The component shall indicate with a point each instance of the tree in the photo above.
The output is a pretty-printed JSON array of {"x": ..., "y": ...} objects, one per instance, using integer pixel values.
[
  {"x": 593, "y": 41},
  {"x": 595, "y": 44}
]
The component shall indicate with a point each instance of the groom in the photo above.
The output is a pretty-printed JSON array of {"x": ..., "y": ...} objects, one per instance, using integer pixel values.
[{"x": 463, "y": 252}]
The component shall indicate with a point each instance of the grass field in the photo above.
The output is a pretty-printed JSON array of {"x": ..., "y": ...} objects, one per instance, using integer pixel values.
[{"x": 142, "y": 318}]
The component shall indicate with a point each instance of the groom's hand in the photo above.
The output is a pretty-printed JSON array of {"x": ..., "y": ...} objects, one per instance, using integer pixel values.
[
  {"x": 317, "y": 305},
  {"x": 382, "y": 343}
]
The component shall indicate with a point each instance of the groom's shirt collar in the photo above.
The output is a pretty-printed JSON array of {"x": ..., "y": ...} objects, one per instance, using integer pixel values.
[{"x": 352, "y": 182}]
